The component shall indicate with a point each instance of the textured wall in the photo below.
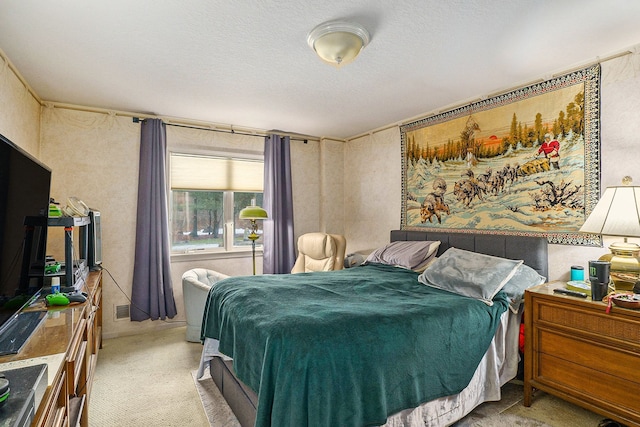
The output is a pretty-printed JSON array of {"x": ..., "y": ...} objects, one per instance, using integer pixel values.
[
  {"x": 94, "y": 156},
  {"x": 332, "y": 187},
  {"x": 373, "y": 208},
  {"x": 372, "y": 175},
  {"x": 19, "y": 111},
  {"x": 305, "y": 176}
]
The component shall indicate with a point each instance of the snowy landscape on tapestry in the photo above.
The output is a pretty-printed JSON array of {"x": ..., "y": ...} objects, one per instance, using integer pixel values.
[
  {"x": 512, "y": 207},
  {"x": 488, "y": 170}
]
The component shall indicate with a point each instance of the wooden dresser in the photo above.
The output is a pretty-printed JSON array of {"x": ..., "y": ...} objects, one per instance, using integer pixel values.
[
  {"x": 577, "y": 352},
  {"x": 67, "y": 341}
]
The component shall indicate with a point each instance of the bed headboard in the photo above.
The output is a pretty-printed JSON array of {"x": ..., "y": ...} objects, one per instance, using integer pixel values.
[{"x": 532, "y": 250}]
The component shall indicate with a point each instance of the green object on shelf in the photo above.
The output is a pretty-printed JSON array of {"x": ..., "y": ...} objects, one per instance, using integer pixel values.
[
  {"x": 54, "y": 210},
  {"x": 57, "y": 299},
  {"x": 52, "y": 268}
]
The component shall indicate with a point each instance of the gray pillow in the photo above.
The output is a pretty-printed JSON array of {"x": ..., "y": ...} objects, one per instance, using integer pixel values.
[
  {"x": 470, "y": 274},
  {"x": 414, "y": 255},
  {"x": 524, "y": 278}
]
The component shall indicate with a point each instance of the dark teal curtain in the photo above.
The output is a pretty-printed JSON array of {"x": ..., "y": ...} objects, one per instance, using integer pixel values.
[
  {"x": 152, "y": 291},
  {"x": 279, "y": 251}
]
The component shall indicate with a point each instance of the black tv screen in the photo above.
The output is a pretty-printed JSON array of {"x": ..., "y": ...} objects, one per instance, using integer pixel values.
[{"x": 24, "y": 207}]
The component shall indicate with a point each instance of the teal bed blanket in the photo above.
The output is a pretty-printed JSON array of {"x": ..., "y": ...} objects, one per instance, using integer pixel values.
[{"x": 348, "y": 347}]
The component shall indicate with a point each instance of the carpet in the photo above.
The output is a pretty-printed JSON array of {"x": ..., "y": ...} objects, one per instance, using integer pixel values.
[
  {"x": 145, "y": 380},
  {"x": 215, "y": 407},
  {"x": 555, "y": 412},
  {"x": 505, "y": 420}
]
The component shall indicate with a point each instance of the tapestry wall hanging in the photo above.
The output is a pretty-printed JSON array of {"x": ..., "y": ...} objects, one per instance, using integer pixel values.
[{"x": 525, "y": 163}]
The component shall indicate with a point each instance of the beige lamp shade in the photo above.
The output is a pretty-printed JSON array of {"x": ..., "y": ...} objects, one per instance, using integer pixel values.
[{"x": 616, "y": 214}]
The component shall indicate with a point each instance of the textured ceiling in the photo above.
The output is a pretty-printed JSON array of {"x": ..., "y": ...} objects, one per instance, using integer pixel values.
[{"x": 247, "y": 63}]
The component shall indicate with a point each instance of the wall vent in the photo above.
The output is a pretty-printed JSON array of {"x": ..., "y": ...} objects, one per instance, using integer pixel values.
[{"x": 121, "y": 312}]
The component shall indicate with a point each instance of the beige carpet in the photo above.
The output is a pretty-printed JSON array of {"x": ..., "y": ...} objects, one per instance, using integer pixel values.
[
  {"x": 546, "y": 411},
  {"x": 218, "y": 412},
  {"x": 148, "y": 380},
  {"x": 145, "y": 380},
  {"x": 555, "y": 412}
]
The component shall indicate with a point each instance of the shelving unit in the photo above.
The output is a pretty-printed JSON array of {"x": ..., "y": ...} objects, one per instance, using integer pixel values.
[{"x": 69, "y": 223}]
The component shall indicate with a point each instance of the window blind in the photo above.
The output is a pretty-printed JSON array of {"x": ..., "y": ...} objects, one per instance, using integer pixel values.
[{"x": 193, "y": 172}]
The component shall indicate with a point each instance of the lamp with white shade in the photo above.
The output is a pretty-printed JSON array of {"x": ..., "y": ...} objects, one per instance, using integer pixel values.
[{"x": 618, "y": 214}]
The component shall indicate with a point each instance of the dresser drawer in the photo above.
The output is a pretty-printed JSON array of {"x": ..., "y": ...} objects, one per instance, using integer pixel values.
[
  {"x": 594, "y": 322},
  {"x": 591, "y": 386},
  {"x": 606, "y": 360}
]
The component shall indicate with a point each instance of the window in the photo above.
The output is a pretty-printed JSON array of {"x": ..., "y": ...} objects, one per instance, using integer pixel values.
[{"x": 206, "y": 197}]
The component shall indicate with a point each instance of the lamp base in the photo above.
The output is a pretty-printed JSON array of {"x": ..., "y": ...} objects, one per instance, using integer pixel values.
[
  {"x": 625, "y": 265},
  {"x": 253, "y": 237}
]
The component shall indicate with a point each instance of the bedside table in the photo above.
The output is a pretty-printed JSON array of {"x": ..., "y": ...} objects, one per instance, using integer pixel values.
[{"x": 576, "y": 351}]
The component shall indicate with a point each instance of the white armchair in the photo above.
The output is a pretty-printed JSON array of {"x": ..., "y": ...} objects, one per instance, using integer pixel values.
[{"x": 195, "y": 287}]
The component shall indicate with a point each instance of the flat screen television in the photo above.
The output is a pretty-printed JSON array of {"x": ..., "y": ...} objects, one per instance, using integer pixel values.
[{"x": 24, "y": 206}]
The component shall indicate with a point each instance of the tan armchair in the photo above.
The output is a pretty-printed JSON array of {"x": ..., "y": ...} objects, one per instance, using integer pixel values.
[{"x": 320, "y": 252}]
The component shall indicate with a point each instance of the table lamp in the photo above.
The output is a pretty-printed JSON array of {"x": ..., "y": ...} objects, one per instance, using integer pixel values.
[
  {"x": 618, "y": 214},
  {"x": 253, "y": 213}
]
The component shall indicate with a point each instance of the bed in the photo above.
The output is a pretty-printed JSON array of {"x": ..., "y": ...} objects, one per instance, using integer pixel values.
[{"x": 376, "y": 344}]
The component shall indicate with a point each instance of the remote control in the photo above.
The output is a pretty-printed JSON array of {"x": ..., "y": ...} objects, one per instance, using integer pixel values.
[
  {"x": 570, "y": 293},
  {"x": 77, "y": 297}
]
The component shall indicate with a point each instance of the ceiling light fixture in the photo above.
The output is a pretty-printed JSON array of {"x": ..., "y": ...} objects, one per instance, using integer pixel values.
[{"x": 338, "y": 42}]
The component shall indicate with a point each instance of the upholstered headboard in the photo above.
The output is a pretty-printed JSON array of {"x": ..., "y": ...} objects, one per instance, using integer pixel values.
[{"x": 532, "y": 250}]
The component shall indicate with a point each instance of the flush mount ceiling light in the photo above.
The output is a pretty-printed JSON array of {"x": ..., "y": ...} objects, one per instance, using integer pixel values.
[{"x": 338, "y": 42}]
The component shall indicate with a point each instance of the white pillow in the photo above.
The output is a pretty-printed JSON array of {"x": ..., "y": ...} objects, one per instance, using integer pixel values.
[
  {"x": 470, "y": 274},
  {"x": 414, "y": 255}
]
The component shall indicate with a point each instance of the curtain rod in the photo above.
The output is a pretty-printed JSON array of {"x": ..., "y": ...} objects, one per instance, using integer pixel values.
[
  {"x": 138, "y": 117},
  {"x": 231, "y": 131}
]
